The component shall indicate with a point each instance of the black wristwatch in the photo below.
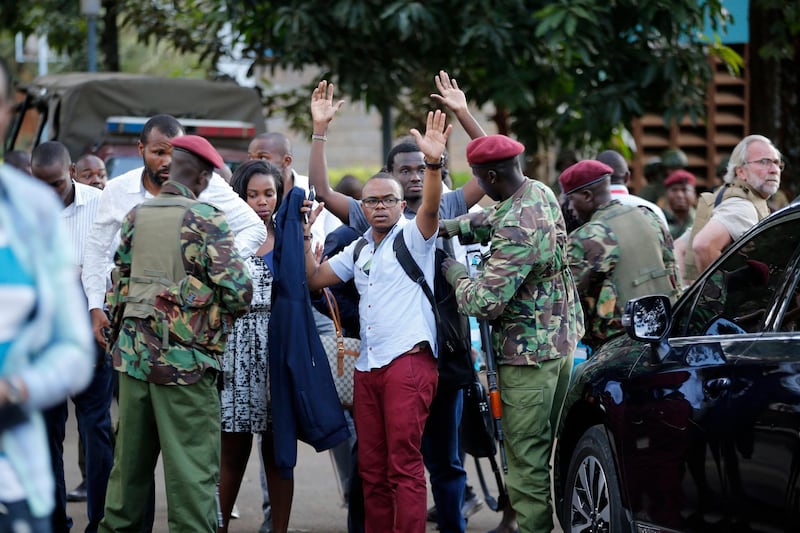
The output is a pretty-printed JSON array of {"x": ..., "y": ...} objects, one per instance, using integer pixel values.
[{"x": 435, "y": 166}]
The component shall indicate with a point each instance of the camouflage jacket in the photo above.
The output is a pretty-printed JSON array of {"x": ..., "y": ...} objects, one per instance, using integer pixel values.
[
  {"x": 594, "y": 252},
  {"x": 214, "y": 271},
  {"x": 525, "y": 287}
]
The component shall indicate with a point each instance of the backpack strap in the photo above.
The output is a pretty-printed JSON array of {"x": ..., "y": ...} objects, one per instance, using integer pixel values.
[
  {"x": 412, "y": 269},
  {"x": 718, "y": 199},
  {"x": 362, "y": 242}
]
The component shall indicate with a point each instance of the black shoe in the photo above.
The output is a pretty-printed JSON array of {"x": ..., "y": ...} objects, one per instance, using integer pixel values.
[
  {"x": 432, "y": 516},
  {"x": 78, "y": 494}
]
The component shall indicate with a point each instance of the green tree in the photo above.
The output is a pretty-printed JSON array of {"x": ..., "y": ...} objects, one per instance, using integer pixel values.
[{"x": 568, "y": 71}]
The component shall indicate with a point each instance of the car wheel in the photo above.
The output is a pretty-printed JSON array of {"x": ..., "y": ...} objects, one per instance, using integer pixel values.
[{"x": 592, "y": 502}]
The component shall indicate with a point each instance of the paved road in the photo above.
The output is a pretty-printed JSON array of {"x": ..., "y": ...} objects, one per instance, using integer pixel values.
[{"x": 317, "y": 503}]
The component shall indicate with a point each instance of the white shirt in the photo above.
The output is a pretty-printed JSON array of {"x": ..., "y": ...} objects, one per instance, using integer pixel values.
[
  {"x": 620, "y": 192},
  {"x": 78, "y": 218},
  {"x": 125, "y": 192},
  {"x": 737, "y": 215},
  {"x": 395, "y": 313}
]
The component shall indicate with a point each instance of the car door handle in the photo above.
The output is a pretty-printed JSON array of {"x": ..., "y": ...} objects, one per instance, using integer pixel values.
[{"x": 715, "y": 386}]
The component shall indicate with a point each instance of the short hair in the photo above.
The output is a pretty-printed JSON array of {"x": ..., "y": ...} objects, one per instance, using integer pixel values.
[
  {"x": 50, "y": 153},
  {"x": 617, "y": 163},
  {"x": 400, "y": 148},
  {"x": 244, "y": 172},
  {"x": 166, "y": 124},
  {"x": 349, "y": 185},
  {"x": 19, "y": 159},
  {"x": 739, "y": 155},
  {"x": 386, "y": 176},
  {"x": 276, "y": 139}
]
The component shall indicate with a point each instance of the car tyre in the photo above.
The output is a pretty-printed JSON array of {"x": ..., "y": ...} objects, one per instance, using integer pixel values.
[{"x": 592, "y": 501}]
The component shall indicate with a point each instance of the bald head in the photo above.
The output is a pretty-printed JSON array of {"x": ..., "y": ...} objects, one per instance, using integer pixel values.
[
  {"x": 90, "y": 170},
  {"x": 614, "y": 159},
  {"x": 275, "y": 148}
]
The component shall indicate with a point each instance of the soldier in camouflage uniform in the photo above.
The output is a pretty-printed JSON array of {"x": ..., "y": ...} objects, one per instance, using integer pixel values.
[
  {"x": 621, "y": 252},
  {"x": 526, "y": 290},
  {"x": 168, "y": 304}
]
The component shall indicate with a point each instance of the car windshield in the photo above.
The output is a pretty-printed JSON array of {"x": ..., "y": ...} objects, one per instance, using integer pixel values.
[{"x": 118, "y": 165}]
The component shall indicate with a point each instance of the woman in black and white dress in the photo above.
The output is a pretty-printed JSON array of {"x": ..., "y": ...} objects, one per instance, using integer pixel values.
[{"x": 245, "y": 396}]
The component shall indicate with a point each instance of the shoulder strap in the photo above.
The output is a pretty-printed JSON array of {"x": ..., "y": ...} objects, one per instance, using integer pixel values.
[
  {"x": 720, "y": 194},
  {"x": 362, "y": 242},
  {"x": 412, "y": 269}
]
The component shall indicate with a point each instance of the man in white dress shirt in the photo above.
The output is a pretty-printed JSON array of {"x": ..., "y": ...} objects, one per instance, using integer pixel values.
[
  {"x": 132, "y": 188},
  {"x": 396, "y": 374},
  {"x": 50, "y": 163}
]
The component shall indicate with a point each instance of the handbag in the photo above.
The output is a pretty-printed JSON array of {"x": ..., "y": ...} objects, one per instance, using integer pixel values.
[{"x": 342, "y": 353}]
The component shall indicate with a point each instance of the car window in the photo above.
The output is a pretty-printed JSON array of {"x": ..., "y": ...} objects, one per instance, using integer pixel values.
[
  {"x": 735, "y": 298},
  {"x": 790, "y": 321}
]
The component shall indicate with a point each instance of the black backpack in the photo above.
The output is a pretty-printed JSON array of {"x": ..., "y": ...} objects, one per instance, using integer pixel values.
[{"x": 452, "y": 328}]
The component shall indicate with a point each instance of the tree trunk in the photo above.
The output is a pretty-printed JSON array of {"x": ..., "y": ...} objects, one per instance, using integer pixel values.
[
  {"x": 109, "y": 39},
  {"x": 774, "y": 89}
]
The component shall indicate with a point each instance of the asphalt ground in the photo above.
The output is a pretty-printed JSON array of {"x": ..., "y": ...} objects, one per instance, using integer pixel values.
[{"x": 317, "y": 506}]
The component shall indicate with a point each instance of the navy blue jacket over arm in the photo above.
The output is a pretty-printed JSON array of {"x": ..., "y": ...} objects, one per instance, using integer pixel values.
[{"x": 303, "y": 397}]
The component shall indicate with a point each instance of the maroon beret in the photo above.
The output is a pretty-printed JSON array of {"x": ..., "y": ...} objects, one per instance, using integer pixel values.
[
  {"x": 491, "y": 148},
  {"x": 680, "y": 177},
  {"x": 200, "y": 147},
  {"x": 582, "y": 174}
]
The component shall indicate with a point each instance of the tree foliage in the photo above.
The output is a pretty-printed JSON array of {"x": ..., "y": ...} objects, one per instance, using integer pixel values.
[
  {"x": 571, "y": 70},
  {"x": 564, "y": 70}
]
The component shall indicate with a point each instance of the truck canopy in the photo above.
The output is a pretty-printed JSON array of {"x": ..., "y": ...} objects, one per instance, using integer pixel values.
[{"x": 74, "y": 108}]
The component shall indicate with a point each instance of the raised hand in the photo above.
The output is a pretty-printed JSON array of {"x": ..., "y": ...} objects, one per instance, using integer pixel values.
[
  {"x": 436, "y": 135},
  {"x": 449, "y": 94},
  {"x": 323, "y": 108}
]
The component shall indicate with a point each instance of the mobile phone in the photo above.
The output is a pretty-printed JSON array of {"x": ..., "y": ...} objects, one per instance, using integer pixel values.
[{"x": 312, "y": 193}]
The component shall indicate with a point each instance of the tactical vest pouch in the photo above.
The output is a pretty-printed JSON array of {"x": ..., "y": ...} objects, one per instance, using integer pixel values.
[
  {"x": 187, "y": 314},
  {"x": 115, "y": 298}
]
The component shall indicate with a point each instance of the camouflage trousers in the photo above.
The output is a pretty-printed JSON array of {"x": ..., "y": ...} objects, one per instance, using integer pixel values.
[
  {"x": 182, "y": 422},
  {"x": 532, "y": 399}
]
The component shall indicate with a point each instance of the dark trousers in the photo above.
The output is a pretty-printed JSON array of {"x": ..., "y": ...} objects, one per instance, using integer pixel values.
[
  {"x": 94, "y": 425},
  {"x": 16, "y": 516},
  {"x": 440, "y": 451}
]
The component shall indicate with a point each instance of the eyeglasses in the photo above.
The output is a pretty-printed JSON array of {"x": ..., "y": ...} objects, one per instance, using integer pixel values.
[
  {"x": 767, "y": 162},
  {"x": 372, "y": 202}
]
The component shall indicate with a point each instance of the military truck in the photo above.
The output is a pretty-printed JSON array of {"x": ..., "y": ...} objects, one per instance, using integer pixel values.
[{"x": 103, "y": 114}]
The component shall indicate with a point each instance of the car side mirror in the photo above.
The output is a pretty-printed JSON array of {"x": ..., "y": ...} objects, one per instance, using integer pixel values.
[{"x": 646, "y": 319}]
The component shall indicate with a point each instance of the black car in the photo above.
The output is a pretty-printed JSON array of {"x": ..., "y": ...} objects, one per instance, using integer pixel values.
[{"x": 691, "y": 422}]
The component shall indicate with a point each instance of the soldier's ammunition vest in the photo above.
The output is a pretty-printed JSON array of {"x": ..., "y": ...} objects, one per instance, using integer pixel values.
[
  {"x": 183, "y": 309},
  {"x": 705, "y": 209},
  {"x": 156, "y": 260},
  {"x": 640, "y": 270}
]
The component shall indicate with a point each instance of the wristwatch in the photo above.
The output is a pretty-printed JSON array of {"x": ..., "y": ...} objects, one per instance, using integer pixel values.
[{"x": 435, "y": 166}]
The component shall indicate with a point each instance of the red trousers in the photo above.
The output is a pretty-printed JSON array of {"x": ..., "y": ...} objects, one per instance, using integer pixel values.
[{"x": 391, "y": 405}]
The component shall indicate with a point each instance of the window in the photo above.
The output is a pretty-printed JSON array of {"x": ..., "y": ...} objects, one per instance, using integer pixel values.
[{"x": 735, "y": 298}]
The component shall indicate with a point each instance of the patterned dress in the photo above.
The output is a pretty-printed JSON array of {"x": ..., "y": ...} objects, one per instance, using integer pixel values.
[{"x": 245, "y": 395}]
